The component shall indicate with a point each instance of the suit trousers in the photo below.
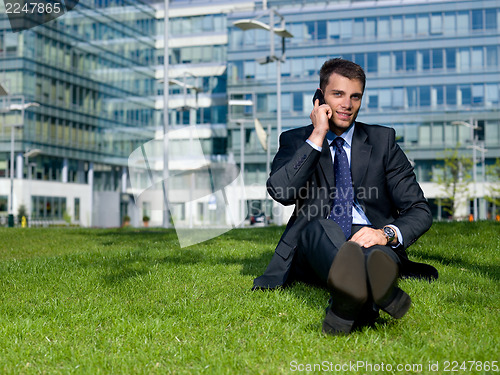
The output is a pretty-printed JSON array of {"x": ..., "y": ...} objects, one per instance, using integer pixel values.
[{"x": 317, "y": 247}]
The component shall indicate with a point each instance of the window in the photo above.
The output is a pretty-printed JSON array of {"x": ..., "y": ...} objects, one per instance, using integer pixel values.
[
  {"x": 491, "y": 19},
  {"x": 426, "y": 59},
  {"x": 411, "y": 60},
  {"x": 322, "y": 34},
  {"x": 477, "y": 19},
  {"x": 76, "y": 209},
  {"x": 398, "y": 97},
  {"x": 371, "y": 27},
  {"x": 463, "y": 22},
  {"x": 384, "y": 62},
  {"x": 398, "y": 61},
  {"x": 359, "y": 58},
  {"x": 478, "y": 94},
  {"x": 372, "y": 62},
  {"x": 359, "y": 27},
  {"x": 492, "y": 91},
  {"x": 310, "y": 67},
  {"x": 465, "y": 94},
  {"x": 297, "y": 29},
  {"x": 397, "y": 26},
  {"x": 297, "y": 102},
  {"x": 437, "y": 96},
  {"x": 436, "y": 23},
  {"x": 492, "y": 56},
  {"x": 477, "y": 58},
  {"x": 423, "y": 24},
  {"x": 437, "y": 59},
  {"x": 309, "y": 31},
  {"x": 451, "y": 59},
  {"x": 333, "y": 30},
  {"x": 372, "y": 97},
  {"x": 425, "y": 96},
  {"x": 464, "y": 54},
  {"x": 449, "y": 23},
  {"x": 411, "y": 98},
  {"x": 48, "y": 207},
  {"x": 410, "y": 25},
  {"x": 383, "y": 28},
  {"x": 385, "y": 98},
  {"x": 346, "y": 29},
  {"x": 297, "y": 67},
  {"x": 451, "y": 95}
]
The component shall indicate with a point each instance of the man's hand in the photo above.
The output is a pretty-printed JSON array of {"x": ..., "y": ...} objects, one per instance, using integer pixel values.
[
  {"x": 366, "y": 237},
  {"x": 319, "y": 117}
]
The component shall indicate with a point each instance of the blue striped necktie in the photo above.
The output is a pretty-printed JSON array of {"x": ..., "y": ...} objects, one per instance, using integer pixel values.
[{"x": 344, "y": 194}]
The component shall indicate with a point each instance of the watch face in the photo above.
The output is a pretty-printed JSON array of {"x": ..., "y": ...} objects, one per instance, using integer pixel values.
[{"x": 389, "y": 232}]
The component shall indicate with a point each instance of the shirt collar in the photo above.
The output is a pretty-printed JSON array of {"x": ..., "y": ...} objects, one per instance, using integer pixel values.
[{"x": 347, "y": 135}]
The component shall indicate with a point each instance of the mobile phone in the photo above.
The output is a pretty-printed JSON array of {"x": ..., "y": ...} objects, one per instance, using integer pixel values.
[{"x": 318, "y": 95}]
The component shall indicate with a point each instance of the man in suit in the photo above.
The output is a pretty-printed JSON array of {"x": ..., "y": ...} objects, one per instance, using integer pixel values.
[{"x": 358, "y": 207}]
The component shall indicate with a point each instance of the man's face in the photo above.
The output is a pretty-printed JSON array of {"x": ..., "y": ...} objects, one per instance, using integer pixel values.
[{"x": 343, "y": 95}]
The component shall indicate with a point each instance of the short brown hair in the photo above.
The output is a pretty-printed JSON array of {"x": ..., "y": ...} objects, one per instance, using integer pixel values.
[{"x": 342, "y": 67}]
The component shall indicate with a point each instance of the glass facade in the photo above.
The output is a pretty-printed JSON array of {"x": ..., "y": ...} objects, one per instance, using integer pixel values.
[
  {"x": 92, "y": 73},
  {"x": 428, "y": 64}
]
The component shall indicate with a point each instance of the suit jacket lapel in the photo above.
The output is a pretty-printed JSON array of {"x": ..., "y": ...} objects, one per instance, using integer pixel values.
[
  {"x": 360, "y": 155},
  {"x": 325, "y": 161}
]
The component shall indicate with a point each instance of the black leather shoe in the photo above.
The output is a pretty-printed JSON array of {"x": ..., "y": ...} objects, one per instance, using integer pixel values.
[
  {"x": 382, "y": 277},
  {"x": 335, "y": 325},
  {"x": 348, "y": 286}
]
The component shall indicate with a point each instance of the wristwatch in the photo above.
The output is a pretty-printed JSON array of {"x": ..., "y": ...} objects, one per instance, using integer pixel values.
[{"x": 389, "y": 233}]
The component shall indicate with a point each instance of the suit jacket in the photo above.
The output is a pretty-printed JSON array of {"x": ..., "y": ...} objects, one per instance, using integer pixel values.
[{"x": 384, "y": 183}]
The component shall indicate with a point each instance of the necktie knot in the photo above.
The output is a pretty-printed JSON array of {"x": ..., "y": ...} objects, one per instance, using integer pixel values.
[{"x": 339, "y": 142}]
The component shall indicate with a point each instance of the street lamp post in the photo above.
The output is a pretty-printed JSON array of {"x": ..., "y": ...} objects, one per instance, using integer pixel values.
[
  {"x": 166, "y": 212},
  {"x": 244, "y": 103},
  {"x": 249, "y": 24},
  {"x": 27, "y": 155},
  {"x": 281, "y": 31}
]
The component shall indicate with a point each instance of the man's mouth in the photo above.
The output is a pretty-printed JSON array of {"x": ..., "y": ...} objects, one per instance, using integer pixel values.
[{"x": 343, "y": 115}]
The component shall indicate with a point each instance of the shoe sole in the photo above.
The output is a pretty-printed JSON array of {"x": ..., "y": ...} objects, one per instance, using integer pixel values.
[
  {"x": 382, "y": 276},
  {"x": 347, "y": 274}
]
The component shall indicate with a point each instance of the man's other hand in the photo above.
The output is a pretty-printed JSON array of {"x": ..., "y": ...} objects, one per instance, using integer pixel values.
[{"x": 366, "y": 237}]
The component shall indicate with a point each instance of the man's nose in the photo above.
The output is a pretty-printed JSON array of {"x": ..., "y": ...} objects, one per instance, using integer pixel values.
[{"x": 347, "y": 103}]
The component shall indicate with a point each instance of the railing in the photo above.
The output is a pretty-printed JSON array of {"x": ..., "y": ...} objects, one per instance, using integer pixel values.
[{"x": 34, "y": 222}]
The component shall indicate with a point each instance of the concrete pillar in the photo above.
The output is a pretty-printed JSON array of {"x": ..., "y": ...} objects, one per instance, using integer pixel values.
[
  {"x": 124, "y": 179},
  {"x": 19, "y": 166},
  {"x": 91, "y": 184},
  {"x": 64, "y": 173}
]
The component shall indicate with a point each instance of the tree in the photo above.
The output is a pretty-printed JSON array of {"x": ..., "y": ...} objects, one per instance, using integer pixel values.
[
  {"x": 454, "y": 179},
  {"x": 493, "y": 173}
]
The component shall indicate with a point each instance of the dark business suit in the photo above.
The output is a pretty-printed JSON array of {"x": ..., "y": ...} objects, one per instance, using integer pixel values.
[{"x": 384, "y": 186}]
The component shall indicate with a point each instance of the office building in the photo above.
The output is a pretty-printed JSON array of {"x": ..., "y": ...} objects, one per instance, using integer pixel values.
[
  {"x": 91, "y": 73},
  {"x": 432, "y": 69}
]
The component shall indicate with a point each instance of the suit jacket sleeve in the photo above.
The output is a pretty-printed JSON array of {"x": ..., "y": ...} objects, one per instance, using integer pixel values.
[
  {"x": 292, "y": 167},
  {"x": 414, "y": 217}
]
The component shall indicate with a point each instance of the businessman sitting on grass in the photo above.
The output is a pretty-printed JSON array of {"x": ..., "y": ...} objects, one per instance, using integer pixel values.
[{"x": 358, "y": 207}]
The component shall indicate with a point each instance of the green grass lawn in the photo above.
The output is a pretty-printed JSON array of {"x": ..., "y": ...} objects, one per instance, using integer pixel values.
[{"x": 125, "y": 301}]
